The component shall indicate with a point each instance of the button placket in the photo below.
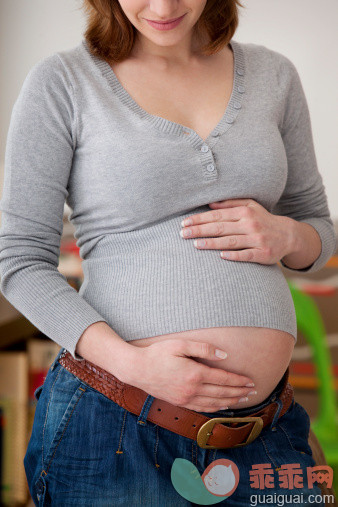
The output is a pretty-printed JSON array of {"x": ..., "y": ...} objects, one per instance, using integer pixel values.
[
  {"x": 235, "y": 102},
  {"x": 208, "y": 162}
]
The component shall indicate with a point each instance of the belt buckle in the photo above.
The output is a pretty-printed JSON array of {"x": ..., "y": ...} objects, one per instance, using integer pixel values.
[{"x": 206, "y": 430}]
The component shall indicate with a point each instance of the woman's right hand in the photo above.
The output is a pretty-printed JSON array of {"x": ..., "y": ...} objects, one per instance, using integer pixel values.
[{"x": 167, "y": 371}]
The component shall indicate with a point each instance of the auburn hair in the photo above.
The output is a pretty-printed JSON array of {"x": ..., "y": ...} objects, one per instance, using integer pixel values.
[{"x": 110, "y": 35}]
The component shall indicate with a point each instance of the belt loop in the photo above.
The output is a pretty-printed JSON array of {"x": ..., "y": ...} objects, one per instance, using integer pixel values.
[
  {"x": 142, "y": 418},
  {"x": 276, "y": 415}
]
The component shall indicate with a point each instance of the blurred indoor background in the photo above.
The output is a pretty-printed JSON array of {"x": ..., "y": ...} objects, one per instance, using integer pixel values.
[{"x": 304, "y": 31}]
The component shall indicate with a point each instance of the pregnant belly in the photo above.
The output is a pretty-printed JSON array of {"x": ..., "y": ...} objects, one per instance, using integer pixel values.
[
  {"x": 263, "y": 354},
  {"x": 151, "y": 285}
]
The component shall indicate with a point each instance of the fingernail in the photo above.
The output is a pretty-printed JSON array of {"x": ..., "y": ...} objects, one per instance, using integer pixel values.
[
  {"x": 251, "y": 384},
  {"x": 252, "y": 392},
  {"x": 199, "y": 242},
  {"x": 243, "y": 399},
  {"x": 226, "y": 255},
  {"x": 185, "y": 222},
  {"x": 224, "y": 408},
  {"x": 220, "y": 353}
]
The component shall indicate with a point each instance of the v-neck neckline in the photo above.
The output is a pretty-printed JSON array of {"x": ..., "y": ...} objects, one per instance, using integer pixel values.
[{"x": 227, "y": 119}]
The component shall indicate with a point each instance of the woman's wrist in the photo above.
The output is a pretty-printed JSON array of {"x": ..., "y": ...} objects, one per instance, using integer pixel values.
[
  {"x": 100, "y": 345},
  {"x": 304, "y": 244}
]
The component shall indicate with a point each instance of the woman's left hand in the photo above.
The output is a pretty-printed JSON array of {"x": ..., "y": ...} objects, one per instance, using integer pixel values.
[{"x": 243, "y": 229}]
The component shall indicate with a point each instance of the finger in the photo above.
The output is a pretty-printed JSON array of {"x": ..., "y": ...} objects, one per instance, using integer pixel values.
[
  {"x": 213, "y": 229},
  {"x": 248, "y": 255},
  {"x": 195, "y": 348},
  {"x": 231, "y": 214},
  {"x": 214, "y": 375},
  {"x": 214, "y": 391},
  {"x": 207, "y": 404},
  {"x": 233, "y": 203},
  {"x": 226, "y": 242}
]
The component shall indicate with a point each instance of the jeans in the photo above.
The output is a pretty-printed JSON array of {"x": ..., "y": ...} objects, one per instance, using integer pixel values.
[{"x": 85, "y": 449}]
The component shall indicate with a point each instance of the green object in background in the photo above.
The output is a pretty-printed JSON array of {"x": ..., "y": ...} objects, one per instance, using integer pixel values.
[{"x": 325, "y": 425}]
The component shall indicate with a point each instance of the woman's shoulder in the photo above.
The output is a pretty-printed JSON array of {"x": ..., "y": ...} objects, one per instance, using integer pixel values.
[
  {"x": 260, "y": 56},
  {"x": 56, "y": 65},
  {"x": 47, "y": 92},
  {"x": 54, "y": 75}
]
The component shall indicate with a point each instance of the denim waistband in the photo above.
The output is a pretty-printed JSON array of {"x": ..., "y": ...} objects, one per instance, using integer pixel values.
[{"x": 249, "y": 410}]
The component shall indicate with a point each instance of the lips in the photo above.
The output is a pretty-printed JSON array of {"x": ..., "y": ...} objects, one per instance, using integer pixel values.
[
  {"x": 165, "y": 22},
  {"x": 165, "y": 25}
]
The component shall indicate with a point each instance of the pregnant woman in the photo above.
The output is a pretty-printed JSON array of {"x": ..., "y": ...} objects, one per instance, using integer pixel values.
[{"x": 188, "y": 163}]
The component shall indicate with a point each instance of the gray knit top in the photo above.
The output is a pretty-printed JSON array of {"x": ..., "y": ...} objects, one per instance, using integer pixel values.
[{"x": 77, "y": 136}]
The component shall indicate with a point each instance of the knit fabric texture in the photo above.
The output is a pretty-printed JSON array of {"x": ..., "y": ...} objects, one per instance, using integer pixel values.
[{"x": 77, "y": 136}]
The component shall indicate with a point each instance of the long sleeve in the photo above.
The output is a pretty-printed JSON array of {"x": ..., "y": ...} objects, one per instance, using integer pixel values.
[
  {"x": 38, "y": 160},
  {"x": 304, "y": 197}
]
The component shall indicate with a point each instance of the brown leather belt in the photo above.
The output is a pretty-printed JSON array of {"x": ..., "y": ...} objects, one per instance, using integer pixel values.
[{"x": 209, "y": 433}]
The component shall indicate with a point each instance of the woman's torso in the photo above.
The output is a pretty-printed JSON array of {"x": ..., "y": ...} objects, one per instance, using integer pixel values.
[{"x": 197, "y": 99}]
